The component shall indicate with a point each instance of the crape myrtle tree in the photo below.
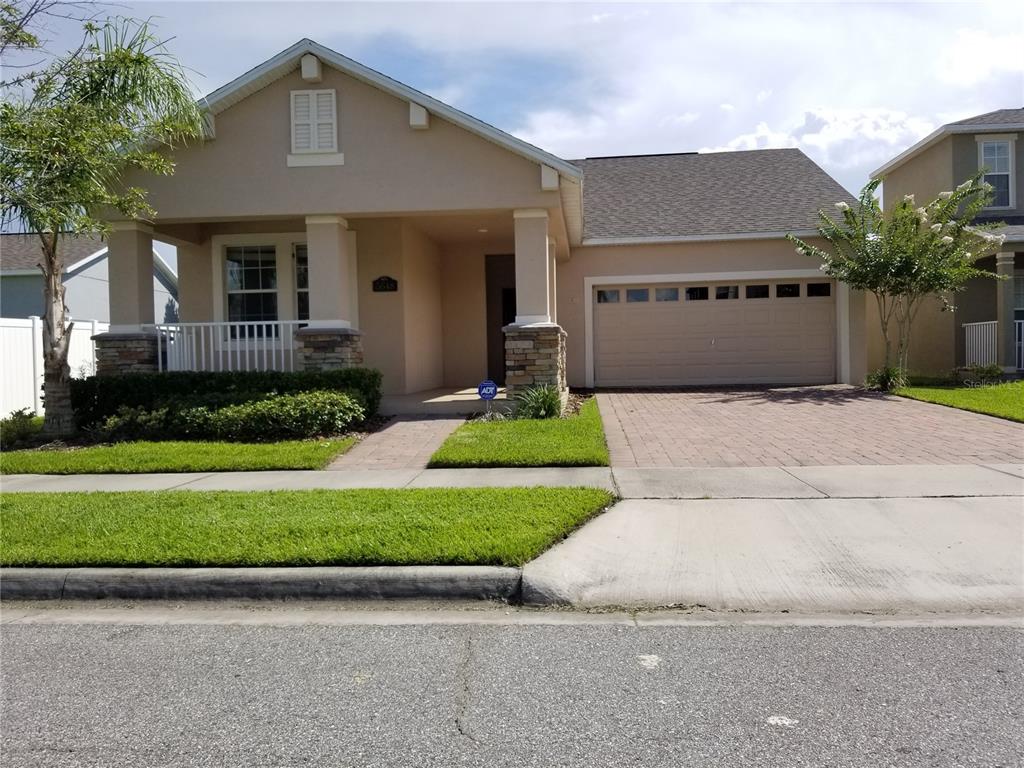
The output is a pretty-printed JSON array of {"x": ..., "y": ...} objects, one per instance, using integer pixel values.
[
  {"x": 68, "y": 133},
  {"x": 905, "y": 256}
]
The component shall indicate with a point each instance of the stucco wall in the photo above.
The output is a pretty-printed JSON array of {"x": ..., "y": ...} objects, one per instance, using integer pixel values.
[
  {"x": 924, "y": 176},
  {"x": 388, "y": 166},
  {"x": 464, "y": 303},
  {"x": 932, "y": 347},
  {"x": 710, "y": 257},
  {"x": 975, "y": 304},
  {"x": 424, "y": 350},
  {"x": 382, "y": 315}
]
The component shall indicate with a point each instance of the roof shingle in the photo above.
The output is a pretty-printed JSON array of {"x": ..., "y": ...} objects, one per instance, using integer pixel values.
[
  {"x": 998, "y": 117},
  {"x": 20, "y": 251},
  {"x": 718, "y": 193}
]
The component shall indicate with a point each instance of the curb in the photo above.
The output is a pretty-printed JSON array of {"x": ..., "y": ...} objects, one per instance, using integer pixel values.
[{"x": 456, "y": 582}]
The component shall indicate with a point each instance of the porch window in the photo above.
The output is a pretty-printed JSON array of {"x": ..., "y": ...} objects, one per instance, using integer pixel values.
[
  {"x": 996, "y": 157},
  {"x": 301, "y": 281},
  {"x": 251, "y": 280}
]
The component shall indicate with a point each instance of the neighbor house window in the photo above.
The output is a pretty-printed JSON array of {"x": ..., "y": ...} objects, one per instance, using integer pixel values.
[
  {"x": 757, "y": 291},
  {"x": 608, "y": 296},
  {"x": 666, "y": 294},
  {"x": 636, "y": 295},
  {"x": 996, "y": 157},
  {"x": 314, "y": 122},
  {"x": 301, "y": 281},
  {"x": 819, "y": 289},
  {"x": 251, "y": 280},
  {"x": 727, "y": 292},
  {"x": 787, "y": 291},
  {"x": 697, "y": 293}
]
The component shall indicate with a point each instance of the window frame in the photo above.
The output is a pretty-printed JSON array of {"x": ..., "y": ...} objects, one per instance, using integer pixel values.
[
  {"x": 275, "y": 291},
  {"x": 1011, "y": 173}
]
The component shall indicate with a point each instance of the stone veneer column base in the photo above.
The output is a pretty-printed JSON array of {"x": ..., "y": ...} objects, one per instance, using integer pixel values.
[
  {"x": 326, "y": 349},
  {"x": 118, "y": 353},
  {"x": 535, "y": 355}
]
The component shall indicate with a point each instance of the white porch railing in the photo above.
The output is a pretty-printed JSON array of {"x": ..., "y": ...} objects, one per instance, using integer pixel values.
[
  {"x": 980, "y": 343},
  {"x": 264, "y": 346}
]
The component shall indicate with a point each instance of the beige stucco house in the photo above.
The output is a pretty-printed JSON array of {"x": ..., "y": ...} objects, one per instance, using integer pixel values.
[
  {"x": 987, "y": 325},
  {"x": 334, "y": 216}
]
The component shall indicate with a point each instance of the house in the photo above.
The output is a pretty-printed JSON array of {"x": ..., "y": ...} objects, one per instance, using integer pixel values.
[
  {"x": 987, "y": 325},
  {"x": 87, "y": 293},
  {"x": 333, "y": 216}
]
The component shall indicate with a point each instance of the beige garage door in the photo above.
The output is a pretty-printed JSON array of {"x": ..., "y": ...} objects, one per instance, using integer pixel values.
[{"x": 768, "y": 332}]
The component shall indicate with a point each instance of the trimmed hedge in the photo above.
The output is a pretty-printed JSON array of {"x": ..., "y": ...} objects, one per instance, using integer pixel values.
[
  {"x": 96, "y": 399},
  {"x": 280, "y": 417}
]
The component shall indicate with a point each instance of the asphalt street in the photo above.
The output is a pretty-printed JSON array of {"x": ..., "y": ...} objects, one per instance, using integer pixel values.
[{"x": 565, "y": 690}]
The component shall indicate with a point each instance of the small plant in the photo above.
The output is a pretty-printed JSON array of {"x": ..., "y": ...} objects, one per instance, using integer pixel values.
[
  {"x": 540, "y": 402},
  {"x": 887, "y": 379},
  {"x": 17, "y": 428},
  {"x": 981, "y": 375}
]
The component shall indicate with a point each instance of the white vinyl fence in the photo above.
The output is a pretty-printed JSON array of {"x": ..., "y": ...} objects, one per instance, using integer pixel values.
[
  {"x": 21, "y": 360},
  {"x": 980, "y": 343}
]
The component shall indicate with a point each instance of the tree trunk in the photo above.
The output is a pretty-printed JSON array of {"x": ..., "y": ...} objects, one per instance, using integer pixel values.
[{"x": 59, "y": 418}]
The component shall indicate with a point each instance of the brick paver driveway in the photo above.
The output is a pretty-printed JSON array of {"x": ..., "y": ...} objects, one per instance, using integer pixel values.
[{"x": 797, "y": 426}]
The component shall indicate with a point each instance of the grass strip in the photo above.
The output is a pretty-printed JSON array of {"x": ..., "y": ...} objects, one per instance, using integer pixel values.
[
  {"x": 576, "y": 441},
  {"x": 434, "y": 526}
]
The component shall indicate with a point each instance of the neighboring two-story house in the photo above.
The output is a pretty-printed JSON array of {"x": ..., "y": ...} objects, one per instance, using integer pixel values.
[{"x": 987, "y": 325}]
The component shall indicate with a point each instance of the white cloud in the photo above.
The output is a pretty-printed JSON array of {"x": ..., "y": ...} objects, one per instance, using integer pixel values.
[{"x": 977, "y": 54}]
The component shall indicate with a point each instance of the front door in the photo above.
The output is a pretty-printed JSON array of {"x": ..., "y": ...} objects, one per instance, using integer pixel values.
[{"x": 501, "y": 310}]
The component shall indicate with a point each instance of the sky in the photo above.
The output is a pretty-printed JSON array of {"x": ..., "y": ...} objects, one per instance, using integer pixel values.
[{"x": 851, "y": 84}]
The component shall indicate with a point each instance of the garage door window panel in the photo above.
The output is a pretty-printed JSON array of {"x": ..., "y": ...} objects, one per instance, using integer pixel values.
[
  {"x": 727, "y": 292},
  {"x": 757, "y": 292},
  {"x": 666, "y": 294},
  {"x": 787, "y": 291},
  {"x": 637, "y": 295},
  {"x": 608, "y": 296},
  {"x": 819, "y": 290},
  {"x": 697, "y": 293}
]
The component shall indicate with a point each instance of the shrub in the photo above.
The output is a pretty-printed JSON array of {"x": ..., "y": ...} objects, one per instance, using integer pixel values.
[
  {"x": 305, "y": 414},
  {"x": 96, "y": 399},
  {"x": 17, "y": 428},
  {"x": 887, "y": 379},
  {"x": 540, "y": 402},
  {"x": 280, "y": 417},
  {"x": 981, "y": 375}
]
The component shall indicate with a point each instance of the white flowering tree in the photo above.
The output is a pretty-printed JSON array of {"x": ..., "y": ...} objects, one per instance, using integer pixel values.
[{"x": 905, "y": 256}]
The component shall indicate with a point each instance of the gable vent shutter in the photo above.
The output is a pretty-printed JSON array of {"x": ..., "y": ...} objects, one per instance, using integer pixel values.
[
  {"x": 302, "y": 122},
  {"x": 325, "y": 122}
]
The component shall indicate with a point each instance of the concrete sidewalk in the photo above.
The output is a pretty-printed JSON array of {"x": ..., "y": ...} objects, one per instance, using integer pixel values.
[{"x": 885, "y": 481}]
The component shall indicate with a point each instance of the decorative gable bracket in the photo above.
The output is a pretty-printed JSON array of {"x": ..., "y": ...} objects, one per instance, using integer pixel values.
[{"x": 419, "y": 118}]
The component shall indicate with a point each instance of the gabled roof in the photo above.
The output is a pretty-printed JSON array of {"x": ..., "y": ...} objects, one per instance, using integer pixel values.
[
  {"x": 19, "y": 255},
  {"x": 288, "y": 60},
  {"x": 1001, "y": 120},
  {"x": 705, "y": 196}
]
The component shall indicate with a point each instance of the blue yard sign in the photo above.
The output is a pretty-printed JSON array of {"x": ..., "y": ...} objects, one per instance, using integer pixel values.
[{"x": 487, "y": 390}]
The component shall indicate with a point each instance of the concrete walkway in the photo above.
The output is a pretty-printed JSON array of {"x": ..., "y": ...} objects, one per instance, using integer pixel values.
[
  {"x": 920, "y": 481},
  {"x": 405, "y": 442},
  {"x": 798, "y": 555}
]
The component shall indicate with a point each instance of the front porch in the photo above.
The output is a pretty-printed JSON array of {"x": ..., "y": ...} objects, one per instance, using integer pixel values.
[
  {"x": 436, "y": 302},
  {"x": 986, "y": 342}
]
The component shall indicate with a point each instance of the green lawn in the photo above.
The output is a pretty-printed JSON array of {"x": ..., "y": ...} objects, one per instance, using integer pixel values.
[
  {"x": 576, "y": 441},
  {"x": 481, "y": 526},
  {"x": 1003, "y": 400},
  {"x": 172, "y": 456}
]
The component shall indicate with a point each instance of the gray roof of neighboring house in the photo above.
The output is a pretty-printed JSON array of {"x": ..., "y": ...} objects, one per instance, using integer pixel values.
[
  {"x": 998, "y": 117},
  {"x": 21, "y": 251},
  {"x": 704, "y": 194}
]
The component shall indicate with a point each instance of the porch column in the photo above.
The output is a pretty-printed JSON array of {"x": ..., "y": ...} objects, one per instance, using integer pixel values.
[
  {"x": 332, "y": 338},
  {"x": 130, "y": 344},
  {"x": 534, "y": 344},
  {"x": 1006, "y": 353},
  {"x": 531, "y": 228}
]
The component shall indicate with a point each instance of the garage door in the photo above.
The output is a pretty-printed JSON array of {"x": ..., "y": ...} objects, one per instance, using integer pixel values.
[{"x": 768, "y": 332}]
